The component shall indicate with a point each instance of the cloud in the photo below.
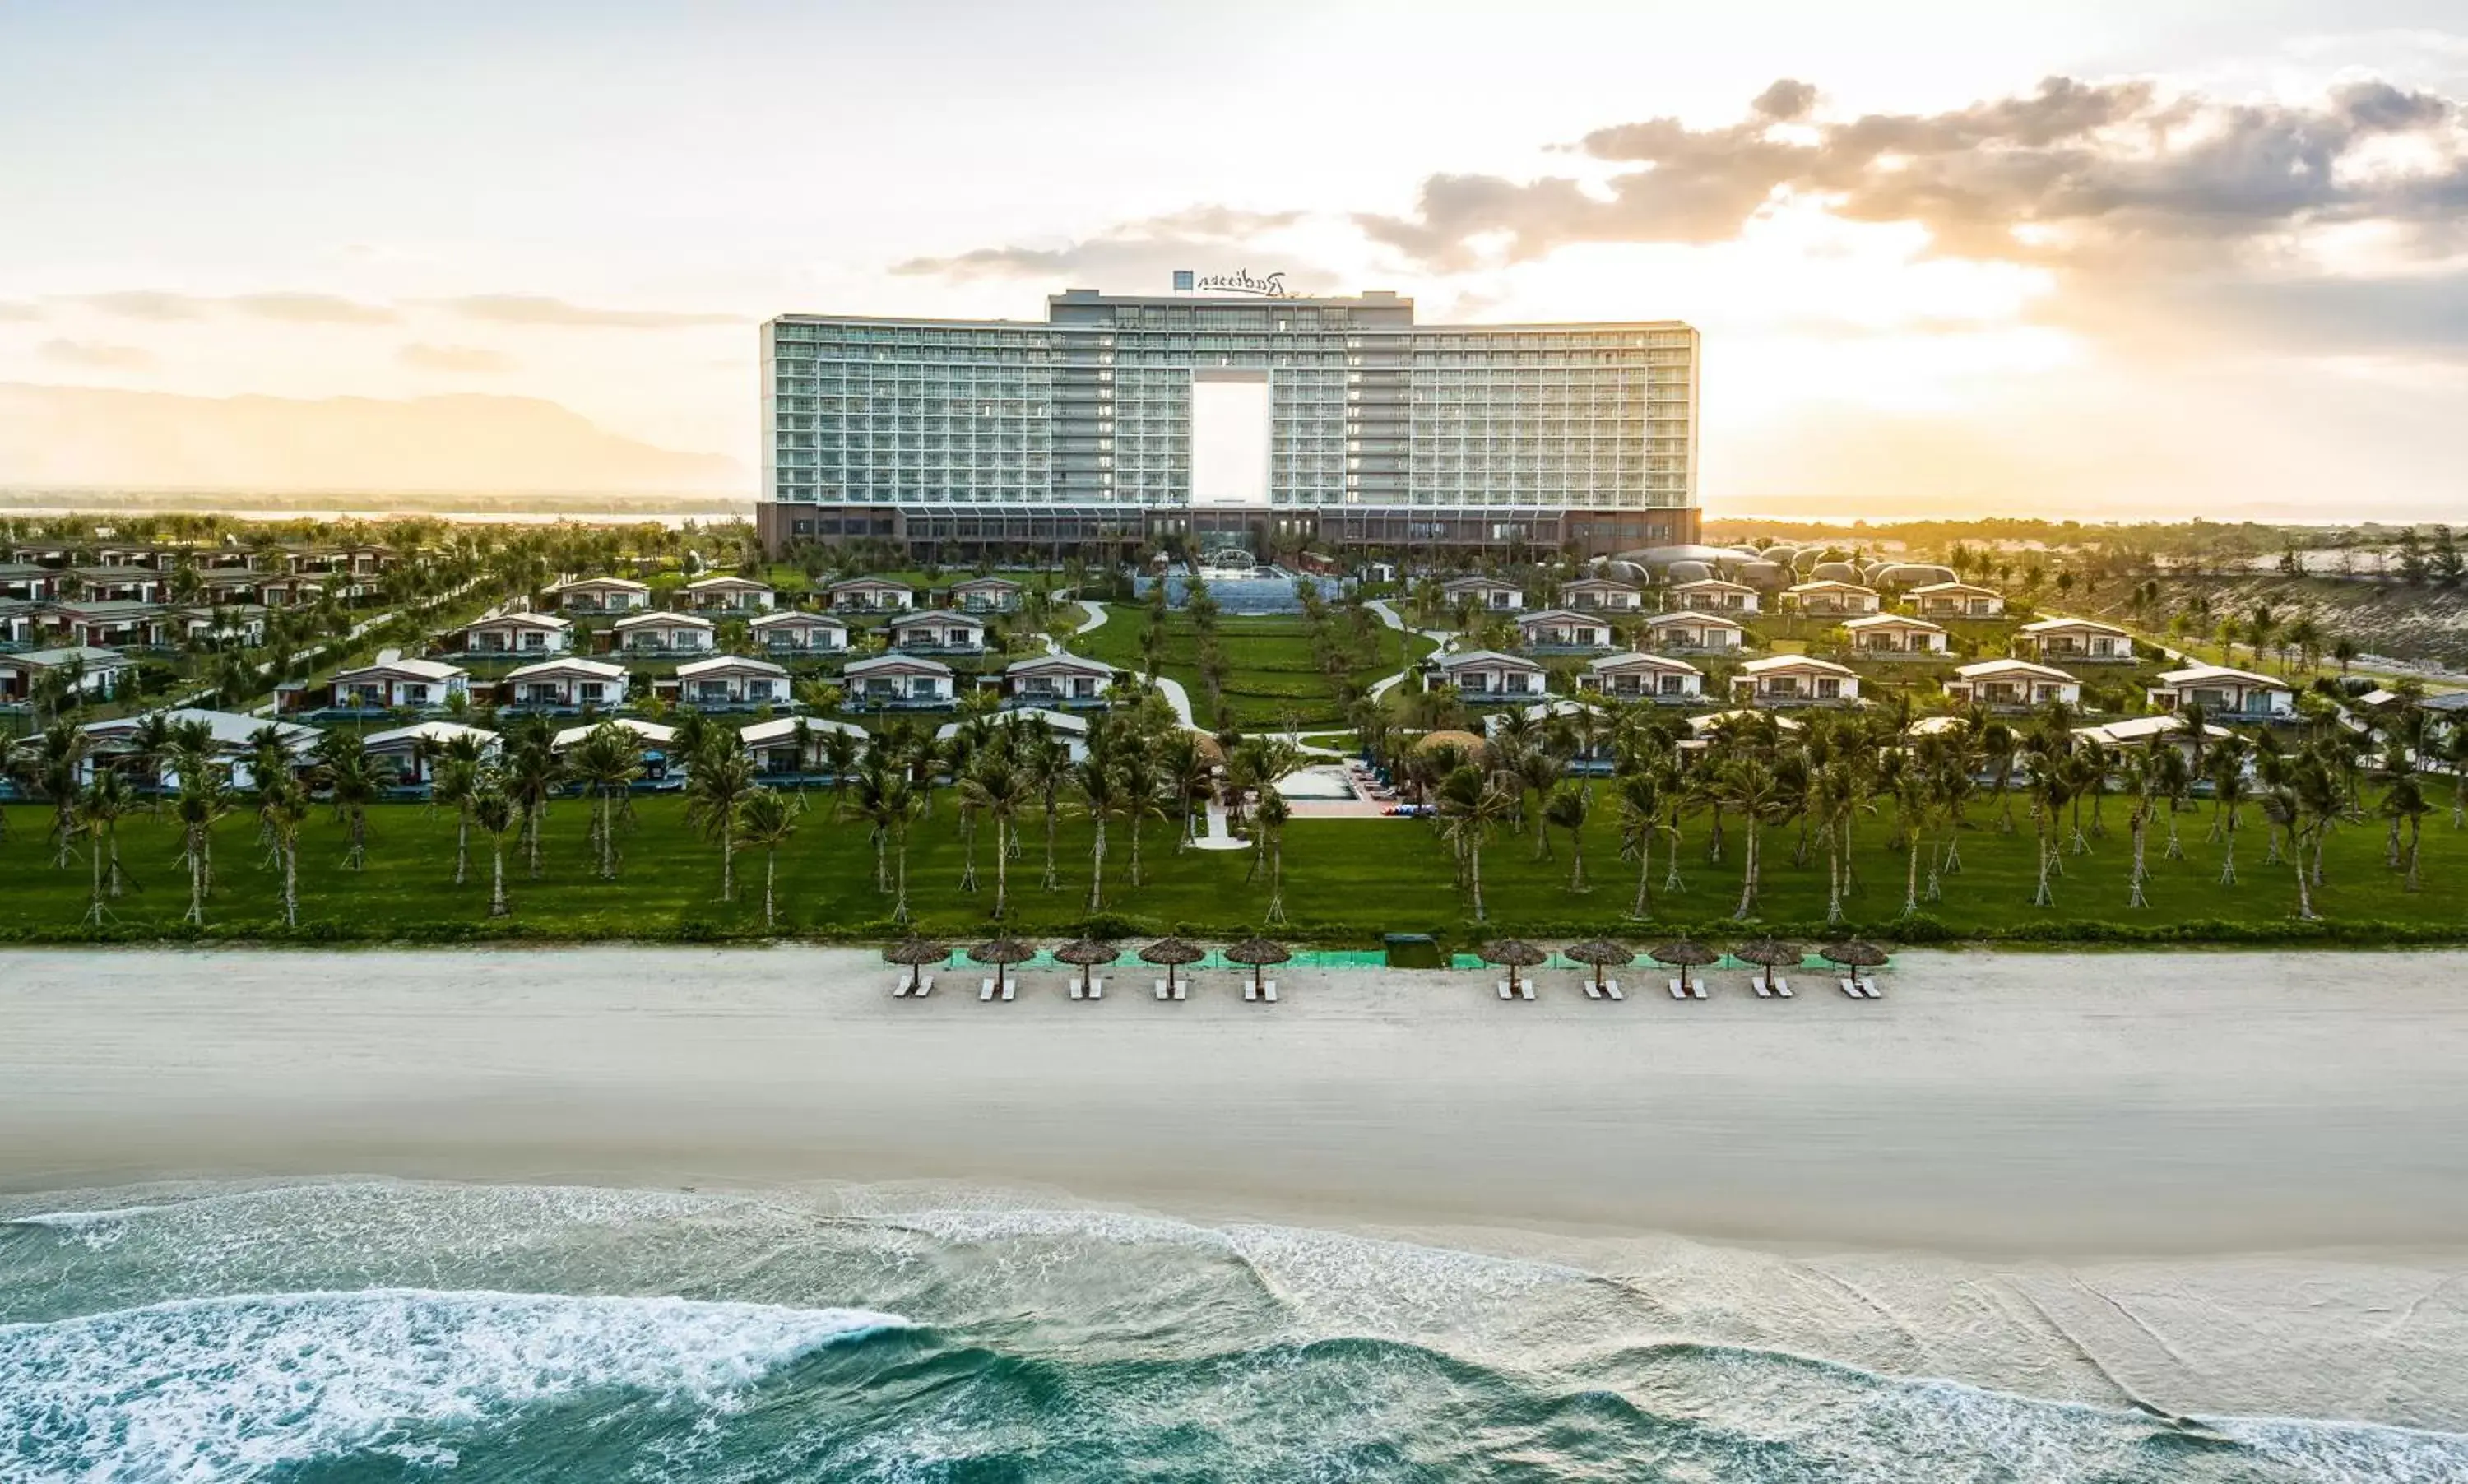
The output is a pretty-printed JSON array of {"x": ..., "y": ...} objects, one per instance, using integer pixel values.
[
  {"x": 1130, "y": 250},
  {"x": 538, "y": 310},
  {"x": 144, "y": 303},
  {"x": 312, "y": 310},
  {"x": 12, "y": 313},
  {"x": 89, "y": 357},
  {"x": 461, "y": 360}
]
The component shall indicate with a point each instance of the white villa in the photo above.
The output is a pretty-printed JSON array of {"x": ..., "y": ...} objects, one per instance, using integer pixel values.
[
  {"x": 794, "y": 633},
  {"x": 2234, "y": 694},
  {"x": 871, "y": 595},
  {"x": 99, "y": 671},
  {"x": 1955, "y": 600},
  {"x": 1691, "y": 632},
  {"x": 730, "y": 594},
  {"x": 1487, "y": 674},
  {"x": 665, "y": 633},
  {"x": 773, "y": 744},
  {"x": 601, "y": 595},
  {"x": 236, "y": 623},
  {"x": 1563, "y": 628},
  {"x": 398, "y": 684},
  {"x": 938, "y": 631},
  {"x": 1483, "y": 592},
  {"x": 231, "y": 732},
  {"x": 1056, "y": 679},
  {"x": 984, "y": 595},
  {"x": 1830, "y": 598},
  {"x": 899, "y": 680},
  {"x": 2076, "y": 639},
  {"x": 1891, "y": 635},
  {"x": 2012, "y": 684},
  {"x": 650, "y": 735},
  {"x": 518, "y": 633},
  {"x": 1603, "y": 594},
  {"x": 732, "y": 681},
  {"x": 568, "y": 683},
  {"x": 1712, "y": 595},
  {"x": 1794, "y": 680},
  {"x": 2135, "y": 732},
  {"x": 1643, "y": 677},
  {"x": 1070, "y": 730},
  {"x": 409, "y": 751}
]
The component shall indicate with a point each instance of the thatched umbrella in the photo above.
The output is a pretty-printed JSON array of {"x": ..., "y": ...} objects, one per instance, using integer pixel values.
[
  {"x": 1772, "y": 952},
  {"x": 1601, "y": 952},
  {"x": 1169, "y": 952},
  {"x": 917, "y": 953},
  {"x": 1512, "y": 954},
  {"x": 1087, "y": 953},
  {"x": 1003, "y": 952},
  {"x": 1259, "y": 954},
  {"x": 1683, "y": 954},
  {"x": 1853, "y": 954}
]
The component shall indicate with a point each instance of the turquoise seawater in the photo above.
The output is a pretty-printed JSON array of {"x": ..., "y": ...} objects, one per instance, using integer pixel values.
[{"x": 369, "y": 1331}]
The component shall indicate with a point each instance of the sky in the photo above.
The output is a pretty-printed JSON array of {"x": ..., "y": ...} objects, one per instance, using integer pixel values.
[{"x": 2093, "y": 259}]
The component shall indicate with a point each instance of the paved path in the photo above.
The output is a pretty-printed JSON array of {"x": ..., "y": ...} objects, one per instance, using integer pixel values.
[
  {"x": 1218, "y": 837},
  {"x": 1096, "y": 612},
  {"x": 1387, "y": 615}
]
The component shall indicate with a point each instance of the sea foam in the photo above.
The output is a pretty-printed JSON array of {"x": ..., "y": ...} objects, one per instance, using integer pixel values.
[{"x": 223, "y": 1389}]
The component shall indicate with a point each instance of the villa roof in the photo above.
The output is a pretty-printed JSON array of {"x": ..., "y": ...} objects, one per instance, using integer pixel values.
[
  {"x": 651, "y": 732},
  {"x": 1988, "y": 669},
  {"x": 570, "y": 665},
  {"x": 657, "y": 619},
  {"x": 782, "y": 728},
  {"x": 1056, "y": 721},
  {"x": 1706, "y": 722},
  {"x": 1640, "y": 660},
  {"x": 2143, "y": 729},
  {"x": 1559, "y": 616},
  {"x": 1478, "y": 579},
  {"x": 909, "y": 664},
  {"x": 1059, "y": 661},
  {"x": 1612, "y": 583},
  {"x": 874, "y": 584},
  {"x": 2195, "y": 673},
  {"x": 1690, "y": 616},
  {"x": 943, "y": 617},
  {"x": 1473, "y": 657},
  {"x": 1701, "y": 582},
  {"x": 623, "y": 583},
  {"x": 729, "y": 664},
  {"x": 967, "y": 584},
  {"x": 427, "y": 731},
  {"x": 727, "y": 580},
  {"x": 797, "y": 618},
  {"x": 410, "y": 669},
  {"x": 521, "y": 619},
  {"x": 229, "y": 729},
  {"x": 85, "y": 654},
  {"x": 1775, "y": 664},
  {"x": 1892, "y": 621},
  {"x": 2042, "y": 626},
  {"x": 1927, "y": 588},
  {"x": 1830, "y": 584}
]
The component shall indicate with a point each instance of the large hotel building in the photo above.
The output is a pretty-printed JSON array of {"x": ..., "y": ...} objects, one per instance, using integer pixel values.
[{"x": 1227, "y": 418}]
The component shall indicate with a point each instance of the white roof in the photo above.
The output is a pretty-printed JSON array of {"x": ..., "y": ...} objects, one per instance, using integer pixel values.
[
  {"x": 1774, "y": 663},
  {"x": 870, "y": 582},
  {"x": 2194, "y": 675},
  {"x": 1642, "y": 661},
  {"x": 230, "y": 728},
  {"x": 651, "y": 732},
  {"x": 1931, "y": 726},
  {"x": 1892, "y": 621},
  {"x": 1975, "y": 588},
  {"x": 2050, "y": 625},
  {"x": 798, "y": 617},
  {"x": 1702, "y": 725},
  {"x": 727, "y": 580},
  {"x": 782, "y": 728},
  {"x": 1689, "y": 616},
  {"x": 416, "y": 669},
  {"x": 1491, "y": 582},
  {"x": 524, "y": 620},
  {"x": 1059, "y": 721},
  {"x": 85, "y": 654},
  {"x": 1483, "y": 658},
  {"x": 1598, "y": 582},
  {"x": 911, "y": 663},
  {"x": 1559, "y": 616},
  {"x": 1059, "y": 661},
  {"x": 2138, "y": 729},
  {"x": 624, "y": 583},
  {"x": 1989, "y": 669},
  {"x": 1701, "y": 582},
  {"x": 1826, "y": 584},
  {"x": 940, "y": 616},
  {"x": 730, "y": 664},
  {"x": 428, "y": 731},
  {"x": 569, "y": 665},
  {"x": 659, "y": 620},
  {"x": 984, "y": 582}
]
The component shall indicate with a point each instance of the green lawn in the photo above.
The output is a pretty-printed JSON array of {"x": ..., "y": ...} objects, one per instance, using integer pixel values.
[
  {"x": 1347, "y": 882},
  {"x": 1271, "y": 672}
]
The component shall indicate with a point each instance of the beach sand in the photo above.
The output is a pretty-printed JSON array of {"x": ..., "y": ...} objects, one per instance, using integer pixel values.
[{"x": 2018, "y": 1103}]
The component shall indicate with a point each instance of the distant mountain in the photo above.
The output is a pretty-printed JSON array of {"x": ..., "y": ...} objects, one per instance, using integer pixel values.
[{"x": 83, "y": 436}]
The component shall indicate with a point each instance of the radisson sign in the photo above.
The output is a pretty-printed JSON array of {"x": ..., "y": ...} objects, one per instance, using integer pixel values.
[{"x": 1238, "y": 281}]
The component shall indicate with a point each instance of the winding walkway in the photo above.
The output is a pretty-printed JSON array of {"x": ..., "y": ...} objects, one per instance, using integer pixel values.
[{"x": 1441, "y": 637}]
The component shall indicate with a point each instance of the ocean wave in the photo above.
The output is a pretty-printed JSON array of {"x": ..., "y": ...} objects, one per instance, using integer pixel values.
[{"x": 230, "y": 1387}]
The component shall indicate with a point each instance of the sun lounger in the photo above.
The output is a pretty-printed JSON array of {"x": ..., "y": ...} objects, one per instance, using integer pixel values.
[
  {"x": 1251, "y": 992},
  {"x": 1757, "y": 982},
  {"x": 1851, "y": 989},
  {"x": 986, "y": 989},
  {"x": 1075, "y": 989},
  {"x": 1697, "y": 988},
  {"x": 1611, "y": 989},
  {"x": 1782, "y": 989},
  {"x": 1592, "y": 993},
  {"x": 1096, "y": 988},
  {"x": 1270, "y": 990},
  {"x": 1160, "y": 985},
  {"x": 1010, "y": 987},
  {"x": 1182, "y": 989},
  {"x": 1677, "y": 993},
  {"x": 1868, "y": 988},
  {"x": 925, "y": 987},
  {"x": 1500, "y": 986},
  {"x": 1524, "y": 989}
]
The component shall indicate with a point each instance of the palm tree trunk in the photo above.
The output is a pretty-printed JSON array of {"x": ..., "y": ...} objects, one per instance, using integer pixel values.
[
  {"x": 2415, "y": 831},
  {"x": 1911, "y": 877},
  {"x": 1576, "y": 860},
  {"x": 197, "y": 882},
  {"x": 1097, "y": 870},
  {"x": 2134, "y": 893},
  {"x": 770, "y": 875},
  {"x": 2227, "y": 861},
  {"x": 1473, "y": 876},
  {"x": 2304, "y": 887},
  {"x": 1642, "y": 905},
  {"x": 1002, "y": 871},
  {"x": 2043, "y": 896},
  {"x": 533, "y": 818},
  {"x": 461, "y": 844},
  {"x": 1051, "y": 882},
  {"x": 727, "y": 860},
  {"x": 498, "y": 880},
  {"x": 1135, "y": 848},
  {"x": 94, "y": 897},
  {"x": 292, "y": 881},
  {"x": 900, "y": 902},
  {"x": 111, "y": 841},
  {"x": 1748, "y": 869}
]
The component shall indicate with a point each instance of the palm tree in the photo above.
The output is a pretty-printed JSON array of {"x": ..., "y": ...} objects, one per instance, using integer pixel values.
[
  {"x": 453, "y": 785},
  {"x": 1144, "y": 795},
  {"x": 887, "y": 800},
  {"x": 608, "y": 761},
  {"x": 2051, "y": 790},
  {"x": 57, "y": 757},
  {"x": 99, "y": 809},
  {"x": 1472, "y": 806},
  {"x": 2148, "y": 790},
  {"x": 495, "y": 812},
  {"x": 204, "y": 799},
  {"x": 1048, "y": 767},
  {"x": 2228, "y": 792},
  {"x": 997, "y": 786},
  {"x": 1187, "y": 772},
  {"x": 1749, "y": 784},
  {"x": 351, "y": 785},
  {"x": 281, "y": 808},
  {"x": 1567, "y": 809},
  {"x": 1269, "y": 823},
  {"x": 767, "y": 819},
  {"x": 1101, "y": 797},
  {"x": 531, "y": 774},
  {"x": 1638, "y": 797},
  {"x": 717, "y": 781},
  {"x": 2173, "y": 777}
]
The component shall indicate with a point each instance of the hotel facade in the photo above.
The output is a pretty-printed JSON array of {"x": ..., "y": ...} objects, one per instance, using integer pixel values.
[{"x": 1227, "y": 418}]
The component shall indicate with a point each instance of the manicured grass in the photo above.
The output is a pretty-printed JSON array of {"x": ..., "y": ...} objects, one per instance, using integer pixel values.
[
  {"x": 1271, "y": 674},
  {"x": 1346, "y": 881}
]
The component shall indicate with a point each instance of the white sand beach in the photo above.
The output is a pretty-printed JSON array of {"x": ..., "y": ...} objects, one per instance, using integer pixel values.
[{"x": 2127, "y": 1103}]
